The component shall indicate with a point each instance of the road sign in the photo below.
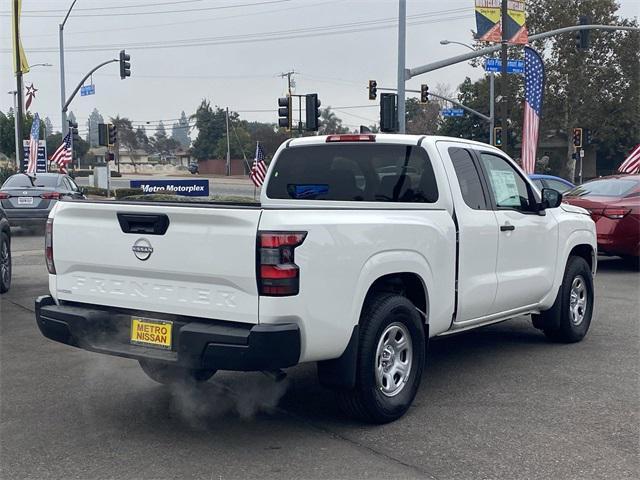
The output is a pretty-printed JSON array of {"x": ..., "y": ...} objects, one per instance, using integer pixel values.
[
  {"x": 87, "y": 90},
  {"x": 41, "y": 164},
  {"x": 495, "y": 65},
  {"x": 452, "y": 112}
]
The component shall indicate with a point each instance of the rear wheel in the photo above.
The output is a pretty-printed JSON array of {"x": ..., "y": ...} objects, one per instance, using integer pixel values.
[
  {"x": 5, "y": 263},
  {"x": 167, "y": 374},
  {"x": 569, "y": 318},
  {"x": 390, "y": 360}
]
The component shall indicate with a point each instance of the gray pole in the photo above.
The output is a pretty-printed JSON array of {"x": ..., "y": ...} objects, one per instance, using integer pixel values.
[
  {"x": 504, "y": 103},
  {"x": 228, "y": 147},
  {"x": 402, "y": 41},
  {"x": 15, "y": 124},
  {"x": 63, "y": 91},
  {"x": 19, "y": 89},
  {"x": 492, "y": 106}
]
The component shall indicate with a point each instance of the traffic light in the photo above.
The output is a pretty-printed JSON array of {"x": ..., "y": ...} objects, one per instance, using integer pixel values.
[
  {"x": 73, "y": 128},
  {"x": 582, "y": 36},
  {"x": 284, "y": 112},
  {"x": 313, "y": 112},
  {"x": 577, "y": 137},
  {"x": 424, "y": 93},
  {"x": 103, "y": 134},
  {"x": 373, "y": 89},
  {"x": 113, "y": 134},
  {"x": 125, "y": 66},
  {"x": 388, "y": 112},
  {"x": 497, "y": 137},
  {"x": 588, "y": 138}
]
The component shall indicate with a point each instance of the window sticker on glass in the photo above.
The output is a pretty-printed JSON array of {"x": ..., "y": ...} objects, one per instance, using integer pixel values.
[
  {"x": 505, "y": 188},
  {"x": 307, "y": 191}
]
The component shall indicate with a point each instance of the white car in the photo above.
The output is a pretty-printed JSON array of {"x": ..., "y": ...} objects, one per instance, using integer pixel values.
[{"x": 353, "y": 275}]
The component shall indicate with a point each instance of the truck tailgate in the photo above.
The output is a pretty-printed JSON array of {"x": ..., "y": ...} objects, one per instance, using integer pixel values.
[{"x": 204, "y": 265}]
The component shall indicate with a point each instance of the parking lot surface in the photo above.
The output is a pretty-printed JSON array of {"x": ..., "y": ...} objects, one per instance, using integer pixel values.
[{"x": 499, "y": 402}]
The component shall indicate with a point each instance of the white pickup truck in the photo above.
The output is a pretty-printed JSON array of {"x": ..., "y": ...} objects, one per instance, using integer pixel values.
[{"x": 361, "y": 249}]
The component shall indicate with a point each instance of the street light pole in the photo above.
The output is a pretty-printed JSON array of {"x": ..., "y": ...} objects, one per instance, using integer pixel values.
[
  {"x": 402, "y": 42},
  {"x": 62, "y": 86},
  {"x": 19, "y": 102},
  {"x": 492, "y": 91},
  {"x": 504, "y": 78}
]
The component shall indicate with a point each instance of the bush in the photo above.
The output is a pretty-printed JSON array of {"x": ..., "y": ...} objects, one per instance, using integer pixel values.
[
  {"x": 6, "y": 172},
  {"x": 80, "y": 173},
  {"x": 115, "y": 174},
  {"x": 121, "y": 193},
  {"x": 98, "y": 192}
]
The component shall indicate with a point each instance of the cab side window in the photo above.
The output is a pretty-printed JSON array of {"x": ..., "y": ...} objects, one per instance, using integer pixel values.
[
  {"x": 509, "y": 189},
  {"x": 468, "y": 178}
]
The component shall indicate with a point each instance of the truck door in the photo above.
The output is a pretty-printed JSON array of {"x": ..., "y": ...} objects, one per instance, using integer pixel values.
[
  {"x": 527, "y": 245},
  {"x": 478, "y": 233}
]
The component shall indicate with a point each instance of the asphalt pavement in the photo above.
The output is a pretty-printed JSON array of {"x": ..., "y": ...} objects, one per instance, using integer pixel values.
[{"x": 499, "y": 402}]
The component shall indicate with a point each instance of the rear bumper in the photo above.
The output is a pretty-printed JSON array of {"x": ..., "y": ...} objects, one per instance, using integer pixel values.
[
  {"x": 196, "y": 343},
  {"x": 25, "y": 216}
]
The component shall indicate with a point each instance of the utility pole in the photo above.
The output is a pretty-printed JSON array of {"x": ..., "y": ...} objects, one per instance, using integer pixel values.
[
  {"x": 290, "y": 83},
  {"x": 19, "y": 87},
  {"x": 228, "y": 168},
  {"x": 504, "y": 78},
  {"x": 63, "y": 93},
  {"x": 402, "y": 42}
]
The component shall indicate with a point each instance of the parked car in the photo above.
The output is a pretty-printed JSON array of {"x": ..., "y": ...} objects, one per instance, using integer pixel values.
[
  {"x": 323, "y": 270},
  {"x": 614, "y": 204},
  {"x": 549, "y": 181},
  {"x": 193, "y": 168},
  {"x": 28, "y": 202},
  {"x": 5, "y": 253}
]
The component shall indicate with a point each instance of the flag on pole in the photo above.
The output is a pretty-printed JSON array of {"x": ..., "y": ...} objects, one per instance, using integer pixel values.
[
  {"x": 533, "y": 94},
  {"x": 34, "y": 141},
  {"x": 259, "y": 169},
  {"x": 62, "y": 156},
  {"x": 24, "y": 64},
  {"x": 631, "y": 164}
]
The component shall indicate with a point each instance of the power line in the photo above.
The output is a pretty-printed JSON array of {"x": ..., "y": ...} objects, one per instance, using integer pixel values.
[{"x": 139, "y": 5}]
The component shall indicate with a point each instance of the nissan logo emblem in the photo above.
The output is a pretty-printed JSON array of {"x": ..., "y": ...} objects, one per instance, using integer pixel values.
[{"x": 142, "y": 249}]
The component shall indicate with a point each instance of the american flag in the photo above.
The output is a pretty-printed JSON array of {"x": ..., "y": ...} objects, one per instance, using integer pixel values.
[
  {"x": 34, "y": 140},
  {"x": 632, "y": 162},
  {"x": 259, "y": 169},
  {"x": 62, "y": 156},
  {"x": 534, "y": 88}
]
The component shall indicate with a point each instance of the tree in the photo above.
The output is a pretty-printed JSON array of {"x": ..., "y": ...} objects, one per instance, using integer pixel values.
[
  {"x": 330, "y": 123},
  {"x": 7, "y": 134},
  {"x": 422, "y": 119},
  {"x": 92, "y": 127},
  {"x": 599, "y": 88},
  {"x": 142, "y": 139},
  {"x": 127, "y": 138},
  {"x": 269, "y": 136},
  {"x": 180, "y": 131},
  {"x": 49, "y": 126},
  {"x": 211, "y": 125}
]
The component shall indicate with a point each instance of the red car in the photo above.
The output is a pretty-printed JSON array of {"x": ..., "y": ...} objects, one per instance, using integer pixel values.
[{"x": 614, "y": 203}]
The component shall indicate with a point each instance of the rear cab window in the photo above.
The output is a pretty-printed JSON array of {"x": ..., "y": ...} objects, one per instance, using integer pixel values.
[{"x": 354, "y": 172}]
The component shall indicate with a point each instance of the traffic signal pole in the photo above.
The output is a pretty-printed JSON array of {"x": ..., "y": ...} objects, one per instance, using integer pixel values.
[
  {"x": 504, "y": 103},
  {"x": 402, "y": 43},
  {"x": 65, "y": 106},
  {"x": 63, "y": 91},
  {"x": 19, "y": 101}
]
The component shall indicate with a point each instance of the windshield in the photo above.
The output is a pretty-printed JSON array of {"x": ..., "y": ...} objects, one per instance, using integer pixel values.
[
  {"x": 609, "y": 187},
  {"x": 23, "y": 181}
]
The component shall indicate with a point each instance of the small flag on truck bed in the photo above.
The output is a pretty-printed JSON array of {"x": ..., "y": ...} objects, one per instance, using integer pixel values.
[{"x": 259, "y": 169}]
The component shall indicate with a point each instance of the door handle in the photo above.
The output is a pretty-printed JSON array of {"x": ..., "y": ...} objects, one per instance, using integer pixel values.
[{"x": 507, "y": 228}]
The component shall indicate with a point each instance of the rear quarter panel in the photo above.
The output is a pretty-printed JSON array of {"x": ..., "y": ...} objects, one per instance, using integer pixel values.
[{"x": 344, "y": 252}]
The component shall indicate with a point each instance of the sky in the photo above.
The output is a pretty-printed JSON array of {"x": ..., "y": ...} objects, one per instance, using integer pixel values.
[{"x": 233, "y": 53}]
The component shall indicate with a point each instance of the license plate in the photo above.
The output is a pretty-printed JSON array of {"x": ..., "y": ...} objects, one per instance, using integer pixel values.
[
  {"x": 151, "y": 333},
  {"x": 25, "y": 200}
]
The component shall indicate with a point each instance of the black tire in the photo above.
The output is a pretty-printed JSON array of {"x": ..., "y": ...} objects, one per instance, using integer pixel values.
[
  {"x": 558, "y": 323},
  {"x": 367, "y": 400},
  {"x": 168, "y": 374},
  {"x": 5, "y": 263}
]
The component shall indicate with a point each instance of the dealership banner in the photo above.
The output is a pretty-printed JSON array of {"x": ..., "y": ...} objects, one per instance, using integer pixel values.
[
  {"x": 41, "y": 165},
  {"x": 189, "y": 188},
  {"x": 489, "y": 24}
]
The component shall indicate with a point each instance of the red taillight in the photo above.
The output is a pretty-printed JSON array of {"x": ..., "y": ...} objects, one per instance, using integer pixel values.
[
  {"x": 4, "y": 195},
  {"x": 50, "y": 196},
  {"x": 351, "y": 138},
  {"x": 48, "y": 246},
  {"x": 615, "y": 213},
  {"x": 277, "y": 273}
]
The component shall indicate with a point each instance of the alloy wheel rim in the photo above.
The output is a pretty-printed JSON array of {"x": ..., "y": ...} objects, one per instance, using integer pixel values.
[
  {"x": 394, "y": 359},
  {"x": 578, "y": 299},
  {"x": 5, "y": 266}
]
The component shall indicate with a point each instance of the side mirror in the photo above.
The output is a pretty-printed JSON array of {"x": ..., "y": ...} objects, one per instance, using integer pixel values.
[
  {"x": 82, "y": 190},
  {"x": 550, "y": 198}
]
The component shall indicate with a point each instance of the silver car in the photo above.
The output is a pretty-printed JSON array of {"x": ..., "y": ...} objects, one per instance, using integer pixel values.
[{"x": 27, "y": 202}]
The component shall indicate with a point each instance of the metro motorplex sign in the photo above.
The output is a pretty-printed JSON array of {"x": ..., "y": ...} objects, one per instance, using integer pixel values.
[{"x": 189, "y": 188}]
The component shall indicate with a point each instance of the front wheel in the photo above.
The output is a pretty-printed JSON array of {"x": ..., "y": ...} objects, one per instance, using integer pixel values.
[
  {"x": 390, "y": 360},
  {"x": 569, "y": 318},
  {"x": 5, "y": 263},
  {"x": 168, "y": 374}
]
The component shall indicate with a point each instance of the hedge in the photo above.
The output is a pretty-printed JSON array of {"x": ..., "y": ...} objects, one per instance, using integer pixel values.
[{"x": 127, "y": 192}]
